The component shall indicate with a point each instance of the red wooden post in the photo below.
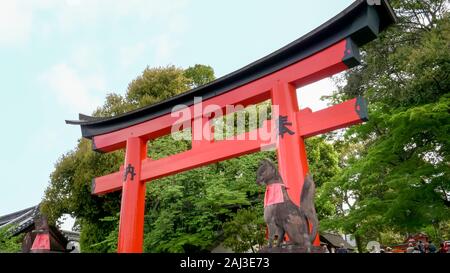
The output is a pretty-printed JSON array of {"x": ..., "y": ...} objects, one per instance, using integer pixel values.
[
  {"x": 131, "y": 226},
  {"x": 329, "y": 49},
  {"x": 291, "y": 152}
]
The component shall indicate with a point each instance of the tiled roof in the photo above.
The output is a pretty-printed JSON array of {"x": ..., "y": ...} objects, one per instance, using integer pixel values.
[
  {"x": 23, "y": 219},
  {"x": 20, "y": 220},
  {"x": 335, "y": 240},
  {"x": 71, "y": 235}
]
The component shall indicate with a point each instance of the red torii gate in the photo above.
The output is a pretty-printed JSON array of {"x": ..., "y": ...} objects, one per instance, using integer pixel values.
[{"x": 327, "y": 50}]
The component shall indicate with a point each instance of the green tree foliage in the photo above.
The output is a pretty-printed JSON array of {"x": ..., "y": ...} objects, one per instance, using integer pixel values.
[
  {"x": 379, "y": 181},
  {"x": 8, "y": 243},
  {"x": 109, "y": 243},
  {"x": 184, "y": 212},
  {"x": 395, "y": 176},
  {"x": 246, "y": 230},
  {"x": 156, "y": 84},
  {"x": 323, "y": 162},
  {"x": 70, "y": 186},
  {"x": 199, "y": 75}
]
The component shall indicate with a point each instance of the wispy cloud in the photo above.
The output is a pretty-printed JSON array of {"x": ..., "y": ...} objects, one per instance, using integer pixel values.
[
  {"x": 15, "y": 23},
  {"x": 17, "y": 17},
  {"x": 169, "y": 14},
  {"x": 78, "y": 79},
  {"x": 163, "y": 47},
  {"x": 130, "y": 54},
  {"x": 71, "y": 14},
  {"x": 72, "y": 89}
]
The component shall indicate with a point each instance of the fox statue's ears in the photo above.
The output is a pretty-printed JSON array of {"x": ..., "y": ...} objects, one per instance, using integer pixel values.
[{"x": 266, "y": 161}]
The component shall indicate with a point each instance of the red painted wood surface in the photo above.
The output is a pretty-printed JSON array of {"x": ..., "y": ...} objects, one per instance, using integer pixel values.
[
  {"x": 131, "y": 226},
  {"x": 279, "y": 86},
  {"x": 41, "y": 242},
  {"x": 321, "y": 65},
  {"x": 197, "y": 157},
  {"x": 310, "y": 124},
  {"x": 327, "y": 120}
]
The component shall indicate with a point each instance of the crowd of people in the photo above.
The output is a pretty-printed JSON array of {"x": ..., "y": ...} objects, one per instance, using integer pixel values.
[
  {"x": 340, "y": 249},
  {"x": 428, "y": 247},
  {"x": 419, "y": 247}
]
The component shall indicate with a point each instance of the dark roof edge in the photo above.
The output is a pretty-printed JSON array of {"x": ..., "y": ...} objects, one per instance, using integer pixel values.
[
  {"x": 11, "y": 216},
  {"x": 360, "y": 22}
]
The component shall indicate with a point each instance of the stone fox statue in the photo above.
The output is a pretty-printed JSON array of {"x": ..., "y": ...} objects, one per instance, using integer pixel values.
[{"x": 281, "y": 214}]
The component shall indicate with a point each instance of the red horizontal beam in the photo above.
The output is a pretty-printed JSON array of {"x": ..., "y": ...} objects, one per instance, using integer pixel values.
[
  {"x": 200, "y": 156},
  {"x": 310, "y": 123},
  {"x": 321, "y": 65},
  {"x": 161, "y": 126},
  {"x": 339, "y": 116},
  {"x": 108, "y": 183}
]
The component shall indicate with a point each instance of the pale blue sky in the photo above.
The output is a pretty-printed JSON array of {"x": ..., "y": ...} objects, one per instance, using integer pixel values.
[{"x": 59, "y": 58}]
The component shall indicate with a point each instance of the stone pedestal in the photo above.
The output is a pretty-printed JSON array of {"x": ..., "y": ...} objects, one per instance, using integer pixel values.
[{"x": 291, "y": 249}]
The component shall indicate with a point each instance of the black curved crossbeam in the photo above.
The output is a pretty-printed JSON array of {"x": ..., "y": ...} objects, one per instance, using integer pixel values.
[{"x": 362, "y": 22}]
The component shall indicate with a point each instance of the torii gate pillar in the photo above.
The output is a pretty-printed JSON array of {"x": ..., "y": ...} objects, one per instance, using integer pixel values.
[
  {"x": 329, "y": 49},
  {"x": 131, "y": 227},
  {"x": 291, "y": 152},
  {"x": 292, "y": 162}
]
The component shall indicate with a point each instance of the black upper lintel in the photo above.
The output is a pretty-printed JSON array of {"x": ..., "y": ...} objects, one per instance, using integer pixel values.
[{"x": 360, "y": 23}]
